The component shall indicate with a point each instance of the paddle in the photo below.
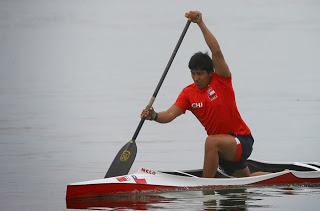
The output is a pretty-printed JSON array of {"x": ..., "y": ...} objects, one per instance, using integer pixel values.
[{"x": 124, "y": 159}]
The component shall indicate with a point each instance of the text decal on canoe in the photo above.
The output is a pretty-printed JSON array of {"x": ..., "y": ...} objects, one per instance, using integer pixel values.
[{"x": 148, "y": 171}]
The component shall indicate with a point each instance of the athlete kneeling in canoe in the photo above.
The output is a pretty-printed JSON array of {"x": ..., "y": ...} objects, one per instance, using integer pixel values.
[{"x": 212, "y": 100}]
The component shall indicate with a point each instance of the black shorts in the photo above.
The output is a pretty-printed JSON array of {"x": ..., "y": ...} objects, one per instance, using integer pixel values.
[{"x": 229, "y": 167}]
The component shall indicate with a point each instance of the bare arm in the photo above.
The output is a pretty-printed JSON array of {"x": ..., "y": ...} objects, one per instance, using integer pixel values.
[
  {"x": 221, "y": 67},
  {"x": 169, "y": 115},
  {"x": 164, "y": 116}
]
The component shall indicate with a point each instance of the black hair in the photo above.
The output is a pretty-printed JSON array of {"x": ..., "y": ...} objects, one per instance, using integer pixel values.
[{"x": 201, "y": 61}]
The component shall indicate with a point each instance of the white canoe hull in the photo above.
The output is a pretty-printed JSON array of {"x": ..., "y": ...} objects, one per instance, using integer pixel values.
[{"x": 146, "y": 180}]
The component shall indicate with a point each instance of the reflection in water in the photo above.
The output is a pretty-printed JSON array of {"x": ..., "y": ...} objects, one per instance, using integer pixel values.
[
  {"x": 239, "y": 199},
  {"x": 132, "y": 201},
  {"x": 224, "y": 199},
  {"x": 234, "y": 199}
]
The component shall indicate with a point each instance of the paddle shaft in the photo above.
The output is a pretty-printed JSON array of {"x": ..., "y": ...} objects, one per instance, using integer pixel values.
[
  {"x": 124, "y": 159},
  {"x": 164, "y": 74}
]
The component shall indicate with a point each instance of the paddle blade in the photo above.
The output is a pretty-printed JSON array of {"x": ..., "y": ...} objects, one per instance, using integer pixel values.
[{"x": 123, "y": 161}]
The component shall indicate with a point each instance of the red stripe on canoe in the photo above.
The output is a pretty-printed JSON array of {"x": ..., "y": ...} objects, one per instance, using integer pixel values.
[
  {"x": 94, "y": 190},
  {"x": 288, "y": 178}
]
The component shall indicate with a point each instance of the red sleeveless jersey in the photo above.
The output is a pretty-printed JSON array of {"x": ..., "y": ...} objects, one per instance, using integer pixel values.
[{"x": 214, "y": 106}]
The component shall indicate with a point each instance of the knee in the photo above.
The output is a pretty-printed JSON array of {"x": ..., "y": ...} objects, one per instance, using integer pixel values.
[{"x": 211, "y": 143}]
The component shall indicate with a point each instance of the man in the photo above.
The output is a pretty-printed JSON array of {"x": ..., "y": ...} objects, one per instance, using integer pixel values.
[{"x": 211, "y": 99}]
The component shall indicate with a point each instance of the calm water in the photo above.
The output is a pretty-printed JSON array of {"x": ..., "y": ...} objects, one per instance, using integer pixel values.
[{"x": 75, "y": 74}]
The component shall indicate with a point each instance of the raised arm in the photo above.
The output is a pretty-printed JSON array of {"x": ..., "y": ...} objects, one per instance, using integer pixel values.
[{"x": 219, "y": 63}]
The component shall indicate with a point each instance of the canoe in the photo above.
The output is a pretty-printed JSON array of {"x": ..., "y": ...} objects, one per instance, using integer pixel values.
[{"x": 148, "y": 180}]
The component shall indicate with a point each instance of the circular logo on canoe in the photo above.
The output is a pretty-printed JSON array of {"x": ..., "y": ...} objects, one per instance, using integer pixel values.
[{"x": 125, "y": 155}]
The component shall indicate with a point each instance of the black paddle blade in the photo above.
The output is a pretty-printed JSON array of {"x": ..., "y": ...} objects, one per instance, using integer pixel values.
[{"x": 123, "y": 161}]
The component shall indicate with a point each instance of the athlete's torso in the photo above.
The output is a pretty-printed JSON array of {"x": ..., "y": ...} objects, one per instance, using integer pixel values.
[{"x": 214, "y": 106}]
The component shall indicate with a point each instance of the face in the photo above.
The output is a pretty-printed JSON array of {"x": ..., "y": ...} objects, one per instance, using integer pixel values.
[{"x": 201, "y": 78}]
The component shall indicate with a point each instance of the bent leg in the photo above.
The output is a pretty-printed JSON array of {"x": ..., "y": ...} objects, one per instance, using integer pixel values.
[
  {"x": 246, "y": 173},
  {"x": 215, "y": 146},
  {"x": 259, "y": 173},
  {"x": 242, "y": 172}
]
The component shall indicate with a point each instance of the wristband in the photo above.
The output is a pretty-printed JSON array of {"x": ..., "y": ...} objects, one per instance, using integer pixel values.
[{"x": 154, "y": 116}]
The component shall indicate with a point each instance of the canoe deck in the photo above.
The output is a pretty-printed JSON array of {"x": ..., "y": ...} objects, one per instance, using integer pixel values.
[{"x": 256, "y": 166}]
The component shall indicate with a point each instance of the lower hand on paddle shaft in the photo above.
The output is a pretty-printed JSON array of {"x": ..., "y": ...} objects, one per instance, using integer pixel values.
[{"x": 149, "y": 114}]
